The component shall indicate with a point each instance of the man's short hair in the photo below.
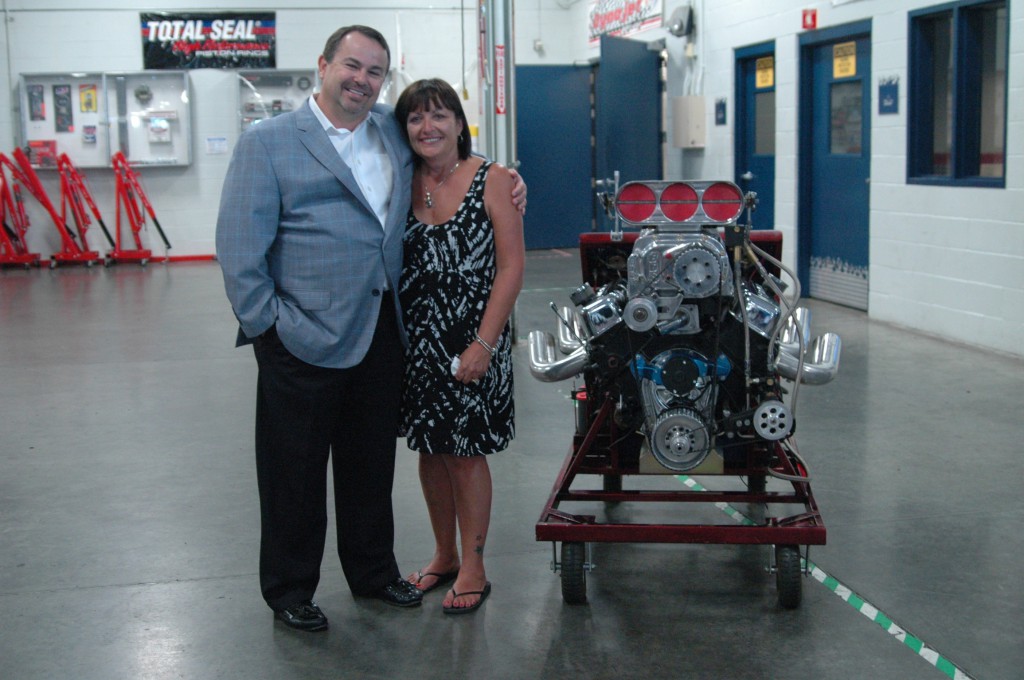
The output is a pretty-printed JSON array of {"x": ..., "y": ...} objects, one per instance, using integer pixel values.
[{"x": 372, "y": 33}]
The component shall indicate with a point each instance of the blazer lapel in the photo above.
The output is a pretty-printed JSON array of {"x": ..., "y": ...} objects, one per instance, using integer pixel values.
[
  {"x": 396, "y": 217},
  {"x": 314, "y": 137}
]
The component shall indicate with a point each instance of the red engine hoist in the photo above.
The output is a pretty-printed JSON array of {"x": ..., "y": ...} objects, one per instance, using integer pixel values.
[
  {"x": 13, "y": 247},
  {"x": 75, "y": 195},
  {"x": 136, "y": 205},
  {"x": 72, "y": 250}
]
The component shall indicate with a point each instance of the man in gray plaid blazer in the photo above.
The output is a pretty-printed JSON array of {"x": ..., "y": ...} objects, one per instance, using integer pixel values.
[{"x": 309, "y": 238}]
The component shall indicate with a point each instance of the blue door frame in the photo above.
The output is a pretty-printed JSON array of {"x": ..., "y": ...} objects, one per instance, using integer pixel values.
[
  {"x": 835, "y": 162},
  {"x": 754, "y": 164}
]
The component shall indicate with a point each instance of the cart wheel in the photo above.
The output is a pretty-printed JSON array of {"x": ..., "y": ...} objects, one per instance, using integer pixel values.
[
  {"x": 53, "y": 264},
  {"x": 574, "y": 576},
  {"x": 143, "y": 262},
  {"x": 788, "y": 575}
]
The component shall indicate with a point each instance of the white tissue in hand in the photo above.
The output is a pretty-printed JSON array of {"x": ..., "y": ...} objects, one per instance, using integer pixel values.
[{"x": 455, "y": 365}]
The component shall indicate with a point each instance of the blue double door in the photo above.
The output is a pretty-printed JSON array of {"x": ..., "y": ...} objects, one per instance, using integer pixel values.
[{"x": 578, "y": 124}]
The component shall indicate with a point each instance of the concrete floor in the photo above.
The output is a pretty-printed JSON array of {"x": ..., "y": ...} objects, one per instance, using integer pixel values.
[{"x": 129, "y": 517}]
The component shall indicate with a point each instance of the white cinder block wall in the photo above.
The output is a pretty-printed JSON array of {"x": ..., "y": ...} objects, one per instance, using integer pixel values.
[
  {"x": 944, "y": 261},
  {"x": 58, "y": 36}
]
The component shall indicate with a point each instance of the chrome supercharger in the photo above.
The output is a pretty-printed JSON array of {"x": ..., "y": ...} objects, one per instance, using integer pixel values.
[{"x": 688, "y": 351}]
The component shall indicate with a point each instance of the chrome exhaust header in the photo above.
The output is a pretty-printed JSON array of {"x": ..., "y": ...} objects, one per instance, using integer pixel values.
[{"x": 544, "y": 364}]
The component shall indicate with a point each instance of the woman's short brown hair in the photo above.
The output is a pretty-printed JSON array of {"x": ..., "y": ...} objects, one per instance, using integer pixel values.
[{"x": 431, "y": 93}]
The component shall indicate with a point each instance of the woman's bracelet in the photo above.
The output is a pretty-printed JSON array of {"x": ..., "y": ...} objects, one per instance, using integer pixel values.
[{"x": 490, "y": 350}]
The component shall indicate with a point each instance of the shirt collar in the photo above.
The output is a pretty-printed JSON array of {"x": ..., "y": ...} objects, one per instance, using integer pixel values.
[{"x": 328, "y": 125}]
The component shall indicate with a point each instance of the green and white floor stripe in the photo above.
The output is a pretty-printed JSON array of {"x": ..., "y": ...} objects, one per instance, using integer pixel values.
[{"x": 946, "y": 666}]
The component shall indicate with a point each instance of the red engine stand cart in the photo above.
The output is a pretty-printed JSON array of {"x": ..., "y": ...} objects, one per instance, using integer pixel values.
[{"x": 602, "y": 450}]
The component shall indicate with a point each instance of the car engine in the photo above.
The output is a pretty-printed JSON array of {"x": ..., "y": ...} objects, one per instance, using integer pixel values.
[{"x": 687, "y": 328}]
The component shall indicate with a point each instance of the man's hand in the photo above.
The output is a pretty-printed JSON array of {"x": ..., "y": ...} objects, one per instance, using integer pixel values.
[{"x": 518, "y": 192}]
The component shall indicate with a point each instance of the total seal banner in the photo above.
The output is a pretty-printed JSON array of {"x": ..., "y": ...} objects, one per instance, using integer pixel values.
[{"x": 188, "y": 40}]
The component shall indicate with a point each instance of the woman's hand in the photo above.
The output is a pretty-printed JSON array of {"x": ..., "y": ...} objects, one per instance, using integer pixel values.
[
  {"x": 518, "y": 192},
  {"x": 473, "y": 363}
]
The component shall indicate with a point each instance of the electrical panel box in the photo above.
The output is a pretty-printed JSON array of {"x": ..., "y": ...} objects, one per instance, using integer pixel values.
[{"x": 689, "y": 127}]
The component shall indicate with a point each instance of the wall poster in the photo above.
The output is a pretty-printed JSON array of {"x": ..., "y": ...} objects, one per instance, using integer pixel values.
[
  {"x": 62, "y": 107},
  {"x": 87, "y": 98},
  {"x": 36, "y": 102},
  {"x": 622, "y": 17},
  {"x": 188, "y": 40}
]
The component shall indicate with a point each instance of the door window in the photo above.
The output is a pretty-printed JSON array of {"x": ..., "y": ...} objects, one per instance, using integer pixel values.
[
  {"x": 764, "y": 123},
  {"x": 846, "y": 118}
]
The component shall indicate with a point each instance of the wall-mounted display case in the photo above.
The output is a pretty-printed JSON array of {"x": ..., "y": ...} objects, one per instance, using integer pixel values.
[
  {"x": 263, "y": 94},
  {"x": 150, "y": 111},
  {"x": 89, "y": 116},
  {"x": 64, "y": 113}
]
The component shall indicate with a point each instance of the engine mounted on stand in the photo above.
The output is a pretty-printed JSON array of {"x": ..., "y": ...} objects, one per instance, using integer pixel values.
[{"x": 683, "y": 335}]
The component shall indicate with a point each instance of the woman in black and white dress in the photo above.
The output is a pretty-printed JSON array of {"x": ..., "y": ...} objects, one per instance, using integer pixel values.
[{"x": 462, "y": 271}]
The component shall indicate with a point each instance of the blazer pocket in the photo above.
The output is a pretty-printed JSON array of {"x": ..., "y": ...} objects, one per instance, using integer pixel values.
[{"x": 313, "y": 300}]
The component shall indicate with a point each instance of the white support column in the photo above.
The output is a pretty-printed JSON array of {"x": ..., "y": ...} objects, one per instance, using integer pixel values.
[{"x": 496, "y": 20}]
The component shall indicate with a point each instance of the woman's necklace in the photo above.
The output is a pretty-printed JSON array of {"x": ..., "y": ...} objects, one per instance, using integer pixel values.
[{"x": 427, "y": 198}]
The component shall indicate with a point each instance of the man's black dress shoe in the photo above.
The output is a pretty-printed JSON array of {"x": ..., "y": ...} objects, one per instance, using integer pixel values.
[
  {"x": 302, "y": 616},
  {"x": 400, "y": 593}
]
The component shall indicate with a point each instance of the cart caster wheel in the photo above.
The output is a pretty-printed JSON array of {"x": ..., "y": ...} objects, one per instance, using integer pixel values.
[
  {"x": 143, "y": 262},
  {"x": 574, "y": 575},
  {"x": 53, "y": 264},
  {"x": 89, "y": 264},
  {"x": 788, "y": 575}
]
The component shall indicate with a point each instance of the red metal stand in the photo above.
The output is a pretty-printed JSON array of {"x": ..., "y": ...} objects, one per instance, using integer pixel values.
[
  {"x": 596, "y": 452},
  {"x": 72, "y": 250},
  {"x": 76, "y": 197},
  {"x": 13, "y": 247},
  {"x": 787, "y": 518},
  {"x": 136, "y": 206}
]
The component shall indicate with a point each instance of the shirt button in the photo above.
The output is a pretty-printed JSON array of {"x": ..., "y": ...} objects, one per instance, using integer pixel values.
[{"x": 376, "y": 292}]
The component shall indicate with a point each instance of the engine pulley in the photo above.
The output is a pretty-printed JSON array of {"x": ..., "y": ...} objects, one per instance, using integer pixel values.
[
  {"x": 697, "y": 272},
  {"x": 680, "y": 440},
  {"x": 773, "y": 420},
  {"x": 640, "y": 314}
]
